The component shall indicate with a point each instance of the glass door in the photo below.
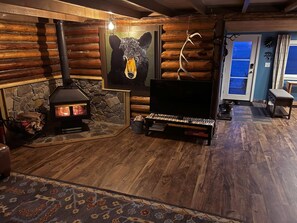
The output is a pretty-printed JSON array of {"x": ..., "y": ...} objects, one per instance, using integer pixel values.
[{"x": 239, "y": 67}]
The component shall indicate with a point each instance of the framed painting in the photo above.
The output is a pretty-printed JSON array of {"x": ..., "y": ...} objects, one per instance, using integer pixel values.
[{"x": 132, "y": 57}]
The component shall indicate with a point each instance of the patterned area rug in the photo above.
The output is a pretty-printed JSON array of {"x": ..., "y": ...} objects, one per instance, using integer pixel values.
[{"x": 26, "y": 198}]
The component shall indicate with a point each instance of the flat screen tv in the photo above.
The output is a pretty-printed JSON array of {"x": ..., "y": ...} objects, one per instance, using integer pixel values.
[{"x": 181, "y": 98}]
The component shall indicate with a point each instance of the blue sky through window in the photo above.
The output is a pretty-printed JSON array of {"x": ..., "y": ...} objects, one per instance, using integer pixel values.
[
  {"x": 291, "y": 67},
  {"x": 242, "y": 50}
]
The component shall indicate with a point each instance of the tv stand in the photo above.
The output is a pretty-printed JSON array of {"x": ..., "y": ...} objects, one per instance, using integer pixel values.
[{"x": 159, "y": 122}]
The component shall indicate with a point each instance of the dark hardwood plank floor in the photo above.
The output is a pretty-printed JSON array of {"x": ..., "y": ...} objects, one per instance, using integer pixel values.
[{"x": 249, "y": 172}]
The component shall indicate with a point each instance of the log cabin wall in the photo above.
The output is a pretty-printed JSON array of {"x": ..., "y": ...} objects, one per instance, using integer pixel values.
[
  {"x": 204, "y": 57},
  {"x": 200, "y": 55},
  {"x": 30, "y": 68},
  {"x": 27, "y": 51},
  {"x": 82, "y": 41}
]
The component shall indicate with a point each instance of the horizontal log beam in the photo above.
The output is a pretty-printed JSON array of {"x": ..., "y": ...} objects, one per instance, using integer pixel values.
[
  {"x": 86, "y": 72},
  {"x": 140, "y": 108},
  {"x": 272, "y": 25},
  {"x": 143, "y": 114},
  {"x": 82, "y": 40},
  {"x": 191, "y": 66},
  {"x": 78, "y": 55},
  {"x": 83, "y": 47},
  {"x": 191, "y": 27},
  {"x": 18, "y": 82},
  {"x": 58, "y": 7},
  {"x": 28, "y": 72},
  {"x": 86, "y": 77},
  {"x": 27, "y": 46},
  {"x": 18, "y": 64},
  {"x": 198, "y": 45},
  {"x": 140, "y": 100},
  {"x": 19, "y": 10},
  {"x": 191, "y": 75},
  {"x": 181, "y": 36},
  {"x": 163, "y": 20},
  {"x": 29, "y": 38},
  {"x": 106, "y": 6},
  {"x": 91, "y": 63},
  {"x": 193, "y": 54},
  {"x": 82, "y": 32},
  {"x": 25, "y": 28},
  {"x": 27, "y": 53}
]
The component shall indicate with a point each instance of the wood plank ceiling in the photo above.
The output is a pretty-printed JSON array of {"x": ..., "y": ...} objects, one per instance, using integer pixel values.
[
  {"x": 80, "y": 10},
  {"x": 140, "y": 8}
]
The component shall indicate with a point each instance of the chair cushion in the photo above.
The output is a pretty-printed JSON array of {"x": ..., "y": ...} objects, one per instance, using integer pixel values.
[{"x": 281, "y": 93}]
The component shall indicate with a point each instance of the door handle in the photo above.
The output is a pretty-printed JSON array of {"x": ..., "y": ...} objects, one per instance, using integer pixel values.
[{"x": 251, "y": 66}]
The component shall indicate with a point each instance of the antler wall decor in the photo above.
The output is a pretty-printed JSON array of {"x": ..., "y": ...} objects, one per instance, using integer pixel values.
[{"x": 182, "y": 56}]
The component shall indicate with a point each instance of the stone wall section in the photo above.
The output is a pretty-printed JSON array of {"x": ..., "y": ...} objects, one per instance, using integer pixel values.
[{"x": 107, "y": 106}]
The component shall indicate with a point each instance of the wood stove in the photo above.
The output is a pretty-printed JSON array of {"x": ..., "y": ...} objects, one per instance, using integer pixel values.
[{"x": 69, "y": 104}]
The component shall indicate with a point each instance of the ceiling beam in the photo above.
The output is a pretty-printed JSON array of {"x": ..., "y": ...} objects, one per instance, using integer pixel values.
[
  {"x": 271, "y": 25},
  {"x": 245, "y": 6},
  {"x": 25, "y": 11},
  {"x": 152, "y": 5},
  {"x": 198, "y": 6},
  {"x": 60, "y": 7},
  {"x": 291, "y": 7},
  {"x": 107, "y": 7}
]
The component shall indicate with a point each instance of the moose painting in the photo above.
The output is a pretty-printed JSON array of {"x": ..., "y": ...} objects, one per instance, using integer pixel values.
[{"x": 131, "y": 64}]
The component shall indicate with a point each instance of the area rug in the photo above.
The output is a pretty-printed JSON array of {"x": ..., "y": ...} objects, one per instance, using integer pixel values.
[{"x": 25, "y": 199}]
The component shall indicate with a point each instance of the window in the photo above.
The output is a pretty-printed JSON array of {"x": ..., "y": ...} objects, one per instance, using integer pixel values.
[{"x": 291, "y": 67}]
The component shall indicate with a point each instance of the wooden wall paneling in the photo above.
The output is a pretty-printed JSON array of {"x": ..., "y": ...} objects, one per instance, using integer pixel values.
[
  {"x": 47, "y": 71},
  {"x": 28, "y": 53},
  {"x": 85, "y": 72},
  {"x": 28, "y": 28},
  {"x": 198, "y": 65},
  {"x": 140, "y": 100},
  {"x": 25, "y": 63},
  {"x": 28, "y": 45},
  {"x": 83, "y": 49},
  {"x": 199, "y": 55},
  {"x": 85, "y": 63},
  {"x": 191, "y": 75},
  {"x": 140, "y": 106},
  {"x": 24, "y": 37},
  {"x": 206, "y": 45},
  {"x": 81, "y": 40},
  {"x": 189, "y": 54},
  {"x": 208, "y": 25},
  {"x": 27, "y": 50},
  {"x": 181, "y": 36},
  {"x": 83, "y": 54}
]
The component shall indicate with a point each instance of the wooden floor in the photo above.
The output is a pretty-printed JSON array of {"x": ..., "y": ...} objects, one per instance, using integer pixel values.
[{"x": 249, "y": 172}]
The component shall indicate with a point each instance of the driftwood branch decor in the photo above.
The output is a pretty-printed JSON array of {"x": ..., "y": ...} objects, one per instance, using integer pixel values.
[{"x": 181, "y": 55}]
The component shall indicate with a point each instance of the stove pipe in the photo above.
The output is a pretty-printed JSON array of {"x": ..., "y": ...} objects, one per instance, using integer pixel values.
[{"x": 63, "y": 53}]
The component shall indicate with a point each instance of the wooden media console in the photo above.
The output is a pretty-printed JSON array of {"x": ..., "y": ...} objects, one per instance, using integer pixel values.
[{"x": 158, "y": 122}]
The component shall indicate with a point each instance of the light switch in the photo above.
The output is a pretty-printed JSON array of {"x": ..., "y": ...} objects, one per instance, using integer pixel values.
[{"x": 267, "y": 64}]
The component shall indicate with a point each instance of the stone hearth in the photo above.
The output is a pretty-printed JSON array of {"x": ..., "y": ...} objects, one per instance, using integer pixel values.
[
  {"x": 97, "y": 130},
  {"x": 107, "y": 111}
]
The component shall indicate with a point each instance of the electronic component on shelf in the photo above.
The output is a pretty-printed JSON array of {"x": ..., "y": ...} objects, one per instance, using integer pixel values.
[{"x": 187, "y": 120}]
